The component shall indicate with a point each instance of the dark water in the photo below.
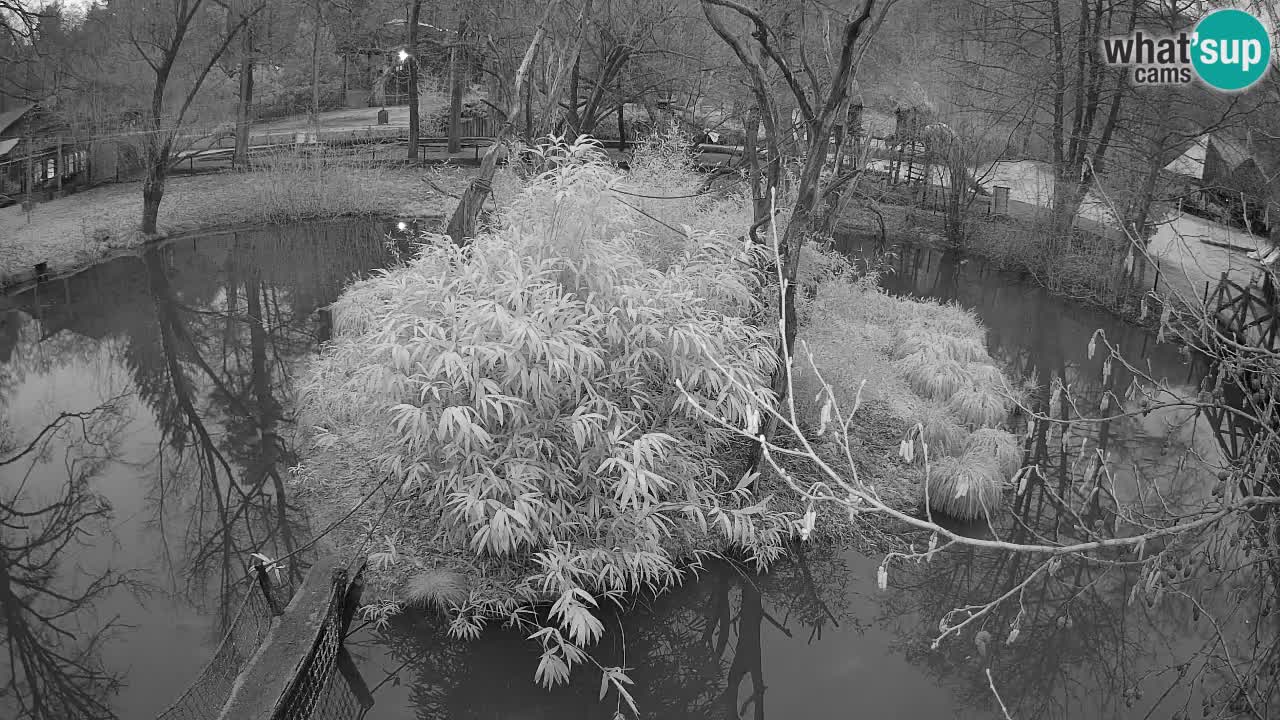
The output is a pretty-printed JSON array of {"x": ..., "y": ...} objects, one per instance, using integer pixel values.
[
  {"x": 125, "y": 534},
  {"x": 182, "y": 363}
]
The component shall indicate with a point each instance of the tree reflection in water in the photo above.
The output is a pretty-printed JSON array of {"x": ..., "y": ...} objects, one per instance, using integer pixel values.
[
  {"x": 51, "y": 669},
  {"x": 694, "y": 652},
  {"x": 202, "y": 336}
]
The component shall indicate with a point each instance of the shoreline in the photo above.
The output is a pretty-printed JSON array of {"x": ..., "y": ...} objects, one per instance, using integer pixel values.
[
  {"x": 15, "y": 284},
  {"x": 75, "y": 232}
]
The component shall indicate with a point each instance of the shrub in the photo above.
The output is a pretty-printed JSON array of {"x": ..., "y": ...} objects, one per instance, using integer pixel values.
[
  {"x": 965, "y": 488},
  {"x": 525, "y": 395}
]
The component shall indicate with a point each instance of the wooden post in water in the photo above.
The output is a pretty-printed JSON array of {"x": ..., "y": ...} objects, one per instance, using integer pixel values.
[{"x": 264, "y": 584}]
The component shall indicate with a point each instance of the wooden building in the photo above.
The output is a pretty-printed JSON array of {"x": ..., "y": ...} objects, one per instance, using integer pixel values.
[
  {"x": 38, "y": 157},
  {"x": 1225, "y": 177}
]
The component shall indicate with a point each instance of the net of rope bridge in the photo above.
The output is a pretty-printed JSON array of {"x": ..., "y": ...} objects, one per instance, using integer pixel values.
[
  {"x": 301, "y": 671},
  {"x": 282, "y": 657}
]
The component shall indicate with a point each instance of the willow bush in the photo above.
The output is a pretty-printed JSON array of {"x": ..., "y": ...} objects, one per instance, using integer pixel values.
[{"x": 523, "y": 396}]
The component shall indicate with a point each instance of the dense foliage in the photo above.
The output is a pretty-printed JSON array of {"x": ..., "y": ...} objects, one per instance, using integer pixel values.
[{"x": 525, "y": 395}]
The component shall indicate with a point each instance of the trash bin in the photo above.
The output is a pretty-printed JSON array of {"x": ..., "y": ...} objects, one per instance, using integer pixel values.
[{"x": 384, "y": 117}]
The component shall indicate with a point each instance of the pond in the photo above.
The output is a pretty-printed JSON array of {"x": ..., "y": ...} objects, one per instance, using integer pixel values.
[
  {"x": 162, "y": 382},
  {"x": 178, "y": 366}
]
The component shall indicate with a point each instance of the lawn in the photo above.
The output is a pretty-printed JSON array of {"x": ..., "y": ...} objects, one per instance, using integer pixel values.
[{"x": 81, "y": 229}]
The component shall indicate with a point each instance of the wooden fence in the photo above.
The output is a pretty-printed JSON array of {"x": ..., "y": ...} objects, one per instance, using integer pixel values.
[{"x": 1247, "y": 313}]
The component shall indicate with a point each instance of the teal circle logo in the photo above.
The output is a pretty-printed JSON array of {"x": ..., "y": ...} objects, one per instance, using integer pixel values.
[{"x": 1232, "y": 49}]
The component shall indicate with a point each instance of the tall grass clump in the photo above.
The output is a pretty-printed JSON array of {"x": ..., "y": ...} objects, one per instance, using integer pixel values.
[
  {"x": 979, "y": 406},
  {"x": 942, "y": 434},
  {"x": 916, "y": 339},
  {"x": 935, "y": 376},
  {"x": 526, "y": 398},
  {"x": 940, "y": 351},
  {"x": 996, "y": 445},
  {"x": 966, "y": 487}
]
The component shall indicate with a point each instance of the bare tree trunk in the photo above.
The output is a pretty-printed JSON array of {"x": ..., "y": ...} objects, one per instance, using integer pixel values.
[
  {"x": 528, "y": 112},
  {"x": 462, "y": 225},
  {"x": 315, "y": 75},
  {"x": 622, "y": 119},
  {"x": 241, "y": 156},
  {"x": 152, "y": 193},
  {"x": 457, "y": 56},
  {"x": 412, "y": 49}
]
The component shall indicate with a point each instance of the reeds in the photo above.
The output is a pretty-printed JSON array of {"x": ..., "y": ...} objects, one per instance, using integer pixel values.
[{"x": 329, "y": 183}]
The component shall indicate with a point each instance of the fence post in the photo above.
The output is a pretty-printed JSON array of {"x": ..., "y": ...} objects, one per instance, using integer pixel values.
[
  {"x": 351, "y": 601},
  {"x": 264, "y": 583}
]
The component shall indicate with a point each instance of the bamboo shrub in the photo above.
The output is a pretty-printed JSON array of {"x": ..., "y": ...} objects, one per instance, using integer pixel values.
[{"x": 532, "y": 398}]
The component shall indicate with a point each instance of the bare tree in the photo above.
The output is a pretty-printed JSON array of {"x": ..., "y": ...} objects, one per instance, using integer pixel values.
[
  {"x": 170, "y": 36},
  {"x": 821, "y": 103}
]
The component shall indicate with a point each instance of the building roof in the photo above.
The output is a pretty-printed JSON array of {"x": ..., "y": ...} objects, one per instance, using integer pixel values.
[
  {"x": 7, "y": 145},
  {"x": 1191, "y": 162},
  {"x": 10, "y": 118},
  {"x": 1234, "y": 152}
]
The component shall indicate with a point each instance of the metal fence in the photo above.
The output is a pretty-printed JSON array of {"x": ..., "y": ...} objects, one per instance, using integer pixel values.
[{"x": 206, "y": 696}]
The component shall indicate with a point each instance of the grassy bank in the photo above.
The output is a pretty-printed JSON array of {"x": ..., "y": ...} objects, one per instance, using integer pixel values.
[
  {"x": 81, "y": 229},
  {"x": 1089, "y": 269}
]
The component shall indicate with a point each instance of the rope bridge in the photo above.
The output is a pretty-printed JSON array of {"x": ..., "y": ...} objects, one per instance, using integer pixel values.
[{"x": 244, "y": 680}]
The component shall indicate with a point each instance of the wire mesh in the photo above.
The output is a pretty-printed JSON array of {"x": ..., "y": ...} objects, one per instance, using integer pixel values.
[
  {"x": 322, "y": 691},
  {"x": 207, "y": 695}
]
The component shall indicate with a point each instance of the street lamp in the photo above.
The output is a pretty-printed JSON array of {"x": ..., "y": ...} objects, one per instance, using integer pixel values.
[{"x": 403, "y": 56}]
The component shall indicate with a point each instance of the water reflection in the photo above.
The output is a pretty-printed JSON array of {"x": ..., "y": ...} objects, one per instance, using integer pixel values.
[
  {"x": 53, "y": 667},
  {"x": 197, "y": 344},
  {"x": 721, "y": 647}
]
